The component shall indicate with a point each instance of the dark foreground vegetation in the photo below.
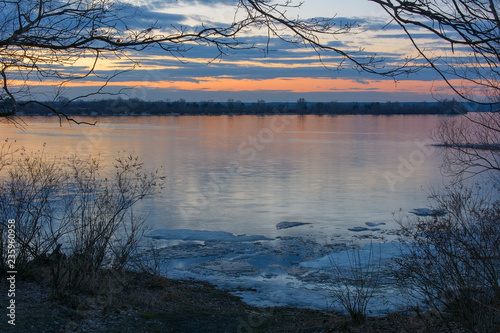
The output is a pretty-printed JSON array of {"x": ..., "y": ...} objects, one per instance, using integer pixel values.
[{"x": 114, "y": 107}]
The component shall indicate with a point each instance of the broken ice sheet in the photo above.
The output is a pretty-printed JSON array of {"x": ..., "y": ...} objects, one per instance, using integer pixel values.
[
  {"x": 428, "y": 212},
  {"x": 374, "y": 224},
  {"x": 285, "y": 271},
  {"x": 286, "y": 225},
  {"x": 358, "y": 229},
  {"x": 208, "y": 236}
]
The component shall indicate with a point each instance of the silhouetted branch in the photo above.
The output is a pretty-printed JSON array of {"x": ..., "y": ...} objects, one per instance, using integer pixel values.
[
  {"x": 42, "y": 40},
  {"x": 469, "y": 60}
]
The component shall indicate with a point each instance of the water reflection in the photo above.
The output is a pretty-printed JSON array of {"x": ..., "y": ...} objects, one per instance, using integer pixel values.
[{"x": 244, "y": 174}]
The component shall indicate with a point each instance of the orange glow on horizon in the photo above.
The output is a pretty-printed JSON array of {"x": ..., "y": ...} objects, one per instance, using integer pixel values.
[{"x": 282, "y": 84}]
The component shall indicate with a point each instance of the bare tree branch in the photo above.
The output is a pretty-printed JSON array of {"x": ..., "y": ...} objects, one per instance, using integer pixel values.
[
  {"x": 470, "y": 64},
  {"x": 41, "y": 40}
]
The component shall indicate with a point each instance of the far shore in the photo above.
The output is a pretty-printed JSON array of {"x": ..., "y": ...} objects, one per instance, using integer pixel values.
[{"x": 132, "y": 107}]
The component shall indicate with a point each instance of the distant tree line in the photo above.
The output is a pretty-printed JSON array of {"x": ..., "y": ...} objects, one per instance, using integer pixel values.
[{"x": 115, "y": 107}]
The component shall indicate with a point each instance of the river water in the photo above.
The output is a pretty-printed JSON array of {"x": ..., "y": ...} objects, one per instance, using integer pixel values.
[
  {"x": 245, "y": 174},
  {"x": 344, "y": 176}
]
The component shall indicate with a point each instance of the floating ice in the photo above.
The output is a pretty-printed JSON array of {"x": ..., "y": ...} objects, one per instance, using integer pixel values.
[
  {"x": 229, "y": 266},
  {"x": 285, "y": 271},
  {"x": 374, "y": 224},
  {"x": 201, "y": 235},
  {"x": 370, "y": 224},
  {"x": 286, "y": 225},
  {"x": 358, "y": 229},
  {"x": 428, "y": 212},
  {"x": 370, "y": 254}
]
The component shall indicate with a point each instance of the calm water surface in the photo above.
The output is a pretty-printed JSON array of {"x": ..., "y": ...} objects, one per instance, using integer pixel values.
[{"x": 245, "y": 174}]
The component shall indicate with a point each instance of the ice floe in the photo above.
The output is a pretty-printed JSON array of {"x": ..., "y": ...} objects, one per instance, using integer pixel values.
[
  {"x": 229, "y": 266},
  {"x": 286, "y": 225},
  {"x": 358, "y": 229},
  {"x": 201, "y": 235},
  {"x": 374, "y": 224},
  {"x": 373, "y": 253},
  {"x": 428, "y": 212}
]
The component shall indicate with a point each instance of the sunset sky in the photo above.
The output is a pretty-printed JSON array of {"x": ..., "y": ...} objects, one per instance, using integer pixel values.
[{"x": 286, "y": 73}]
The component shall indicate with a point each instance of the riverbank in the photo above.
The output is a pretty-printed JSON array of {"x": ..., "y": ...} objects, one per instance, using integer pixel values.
[
  {"x": 136, "y": 107},
  {"x": 135, "y": 302}
]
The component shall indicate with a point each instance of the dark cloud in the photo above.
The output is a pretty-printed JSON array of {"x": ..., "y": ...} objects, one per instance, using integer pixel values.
[
  {"x": 403, "y": 35},
  {"x": 269, "y": 59},
  {"x": 160, "y": 19}
]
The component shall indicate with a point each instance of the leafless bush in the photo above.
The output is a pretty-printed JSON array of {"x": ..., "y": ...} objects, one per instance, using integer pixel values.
[
  {"x": 452, "y": 262},
  {"x": 126, "y": 242},
  {"x": 103, "y": 229},
  {"x": 73, "y": 219},
  {"x": 150, "y": 260},
  {"x": 355, "y": 284},
  {"x": 7, "y": 150},
  {"x": 29, "y": 195},
  {"x": 471, "y": 145}
]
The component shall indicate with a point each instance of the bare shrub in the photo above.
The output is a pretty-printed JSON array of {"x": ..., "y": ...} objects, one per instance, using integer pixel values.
[
  {"x": 29, "y": 195},
  {"x": 7, "y": 151},
  {"x": 452, "y": 262},
  {"x": 471, "y": 145},
  {"x": 126, "y": 242},
  {"x": 149, "y": 260},
  {"x": 355, "y": 284},
  {"x": 72, "y": 219}
]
